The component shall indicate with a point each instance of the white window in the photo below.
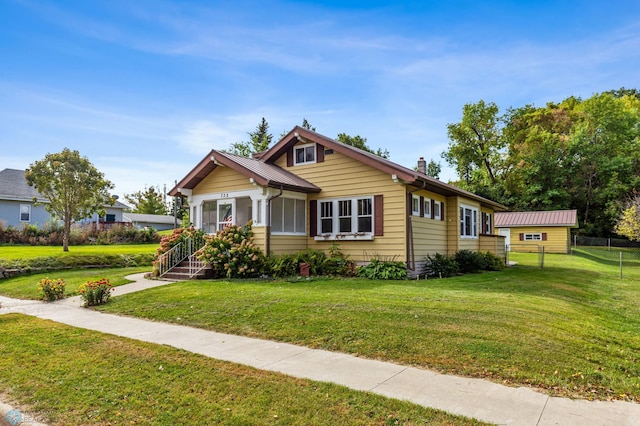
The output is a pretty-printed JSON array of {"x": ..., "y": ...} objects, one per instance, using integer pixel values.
[
  {"x": 25, "y": 212},
  {"x": 351, "y": 217},
  {"x": 533, "y": 237},
  {"x": 427, "y": 207},
  {"x": 304, "y": 154},
  {"x": 437, "y": 210},
  {"x": 487, "y": 223},
  {"x": 288, "y": 216},
  {"x": 415, "y": 205},
  {"x": 468, "y": 222}
]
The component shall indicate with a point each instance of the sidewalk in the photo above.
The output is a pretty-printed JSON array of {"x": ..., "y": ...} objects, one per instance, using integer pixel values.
[{"x": 480, "y": 399}]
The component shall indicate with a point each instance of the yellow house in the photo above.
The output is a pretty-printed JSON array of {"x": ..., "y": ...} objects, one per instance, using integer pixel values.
[
  {"x": 529, "y": 231},
  {"x": 310, "y": 191}
]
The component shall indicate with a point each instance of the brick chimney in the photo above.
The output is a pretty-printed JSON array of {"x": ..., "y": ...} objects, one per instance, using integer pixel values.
[{"x": 422, "y": 165}]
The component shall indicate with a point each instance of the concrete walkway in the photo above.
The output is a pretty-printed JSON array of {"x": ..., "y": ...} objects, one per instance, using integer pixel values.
[{"x": 476, "y": 398}]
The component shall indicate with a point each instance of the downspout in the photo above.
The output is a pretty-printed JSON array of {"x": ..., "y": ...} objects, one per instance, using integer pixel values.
[
  {"x": 268, "y": 217},
  {"x": 411, "y": 258}
]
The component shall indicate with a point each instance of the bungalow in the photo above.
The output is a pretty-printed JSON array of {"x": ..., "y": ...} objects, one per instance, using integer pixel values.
[
  {"x": 310, "y": 191},
  {"x": 17, "y": 207},
  {"x": 527, "y": 231}
]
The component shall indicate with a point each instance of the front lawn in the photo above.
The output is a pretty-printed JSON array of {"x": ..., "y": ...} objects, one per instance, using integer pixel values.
[
  {"x": 70, "y": 376},
  {"x": 26, "y": 286},
  {"x": 570, "y": 329},
  {"x": 15, "y": 252}
]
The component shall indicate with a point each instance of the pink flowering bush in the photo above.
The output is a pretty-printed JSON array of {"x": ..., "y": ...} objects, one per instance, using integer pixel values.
[{"x": 232, "y": 253}]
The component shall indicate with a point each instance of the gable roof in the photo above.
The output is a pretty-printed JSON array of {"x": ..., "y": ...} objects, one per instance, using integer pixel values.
[
  {"x": 408, "y": 176},
  {"x": 541, "y": 218},
  {"x": 262, "y": 173},
  {"x": 14, "y": 187}
]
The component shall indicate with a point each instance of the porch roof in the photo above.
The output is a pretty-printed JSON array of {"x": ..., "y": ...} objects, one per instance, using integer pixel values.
[{"x": 263, "y": 174}]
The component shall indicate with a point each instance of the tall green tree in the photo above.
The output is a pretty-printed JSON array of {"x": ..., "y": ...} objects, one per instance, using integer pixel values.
[
  {"x": 74, "y": 187},
  {"x": 259, "y": 141},
  {"x": 361, "y": 143},
  {"x": 149, "y": 201},
  {"x": 477, "y": 149},
  {"x": 434, "y": 169}
]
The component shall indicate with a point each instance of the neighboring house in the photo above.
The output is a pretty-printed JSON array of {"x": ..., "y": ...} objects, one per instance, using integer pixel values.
[
  {"x": 18, "y": 209},
  {"x": 310, "y": 191},
  {"x": 158, "y": 222},
  {"x": 526, "y": 231}
]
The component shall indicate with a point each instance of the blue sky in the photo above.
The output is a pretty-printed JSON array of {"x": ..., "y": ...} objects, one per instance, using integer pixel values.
[{"x": 145, "y": 89}]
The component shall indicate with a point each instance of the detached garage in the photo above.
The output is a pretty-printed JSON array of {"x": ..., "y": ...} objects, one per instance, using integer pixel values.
[{"x": 526, "y": 231}]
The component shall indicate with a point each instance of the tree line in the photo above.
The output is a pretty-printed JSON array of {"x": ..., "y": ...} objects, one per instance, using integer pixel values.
[{"x": 581, "y": 154}]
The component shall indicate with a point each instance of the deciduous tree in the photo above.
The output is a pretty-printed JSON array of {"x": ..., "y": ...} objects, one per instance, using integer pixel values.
[
  {"x": 361, "y": 143},
  {"x": 149, "y": 201},
  {"x": 74, "y": 187}
]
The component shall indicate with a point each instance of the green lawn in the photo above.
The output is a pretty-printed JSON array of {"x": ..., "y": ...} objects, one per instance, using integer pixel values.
[
  {"x": 64, "y": 375},
  {"x": 570, "y": 329},
  {"x": 26, "y": 286},
  {"x": 13, "y": 252}
]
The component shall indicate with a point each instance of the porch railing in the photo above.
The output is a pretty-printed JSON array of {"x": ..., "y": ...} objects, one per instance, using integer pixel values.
[{"x": 178, "y": 253}]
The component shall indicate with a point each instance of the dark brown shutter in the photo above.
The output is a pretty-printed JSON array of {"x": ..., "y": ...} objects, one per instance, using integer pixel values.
[
  {"x": 521, "y": 236},
  {"x": 484, "y": 222},
  {"x": 319, "y": 153},
  {"x": 544, "y": 236},
  {"x": 313, "y": 218},
  {"x": 378, "y": 214},
  {"x": 290, "y": 157},
  {"x": 421, "y": 206},
  {"x": 442, "y": 210},
  {"x": 433, "y": 209}
]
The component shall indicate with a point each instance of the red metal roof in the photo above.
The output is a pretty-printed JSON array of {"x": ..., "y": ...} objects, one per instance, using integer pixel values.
[{"x": 544, "y": 218}]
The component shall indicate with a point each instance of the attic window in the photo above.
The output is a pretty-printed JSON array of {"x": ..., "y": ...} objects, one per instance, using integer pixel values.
[{"x": 304, "y": 154}]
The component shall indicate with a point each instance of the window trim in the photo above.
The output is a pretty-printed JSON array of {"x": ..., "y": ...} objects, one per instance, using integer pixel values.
[
  {"x": 534, "y": 236},
  {"x": 426, "y": 209},
  {"x": 463, "y": 222},
  {"x": 28, "y": 206},
  {"x": 335, "y": 233},
  {"x": 296, "y": 203},
  {"x": 440, "y": 205},
  {"x": 415, "y": 202},
  {"x": 304, "y": 147}
]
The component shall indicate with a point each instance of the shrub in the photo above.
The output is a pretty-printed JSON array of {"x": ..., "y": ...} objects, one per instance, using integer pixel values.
[
  {"x": 441, "y": 265},
  {"x": 492, "y": 262},
  {"x": 176, "y": 237},
  {"x": 282, "y": 265},
  {"x": 232, "y": 253},
  {"x": 288, "y": 265},
  {"x": 95, "y": 293},
  {"x": 469, "y": 261},
  {"x": 51, "y": 290},
  {"x": 383, "y": 270}
]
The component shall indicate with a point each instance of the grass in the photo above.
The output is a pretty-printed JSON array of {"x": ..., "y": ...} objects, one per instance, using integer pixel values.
[
  {"x": 25, "y": 286},
  {"x": 14, "y": 252},
  {"x": 570, "y": 329},
  {"x": 64, "y": 375}
]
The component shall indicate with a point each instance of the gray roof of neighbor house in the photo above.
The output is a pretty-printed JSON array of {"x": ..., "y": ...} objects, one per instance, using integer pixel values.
[
  {"x": 14, "y": 187},
  {"x": 149, "y": 218},
  {"x": 541, "y": 218}
]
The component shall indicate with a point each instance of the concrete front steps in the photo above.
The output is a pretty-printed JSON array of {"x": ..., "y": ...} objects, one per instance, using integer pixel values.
[{"x": 181, "y": 273}]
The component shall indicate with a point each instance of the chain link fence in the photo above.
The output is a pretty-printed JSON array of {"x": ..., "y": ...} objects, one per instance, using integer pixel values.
[{"x": 622, "y": 255}]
